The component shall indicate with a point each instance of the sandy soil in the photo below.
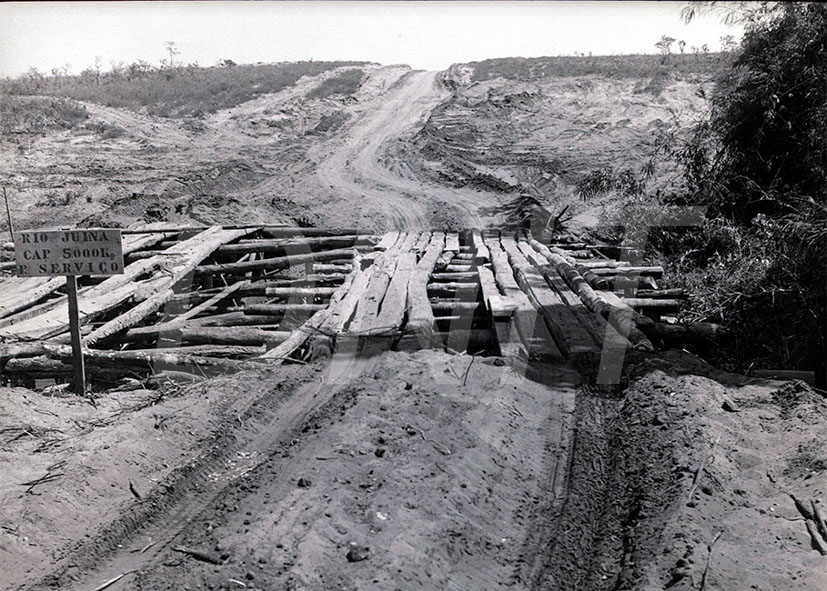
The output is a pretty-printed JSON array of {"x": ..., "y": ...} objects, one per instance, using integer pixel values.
[{"x": 403, "y": 471}]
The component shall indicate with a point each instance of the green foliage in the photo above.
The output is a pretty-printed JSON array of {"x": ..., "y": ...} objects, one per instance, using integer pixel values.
[
  {"x": 613, "y": 66},
  {"x": 172, "y": 92},
  {"x": 344, "y": 83}
]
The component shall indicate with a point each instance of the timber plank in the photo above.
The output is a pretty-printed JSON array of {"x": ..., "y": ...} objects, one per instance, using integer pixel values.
[
  {"x": 364, "y": 319},
  {"x": 571, "y": 336},
  {"x": 525, "y": 314},
  {"x": 420, "y": 315},
  {"x": 452, "y": 242},
  {"x": 387, "y": 241},
  {"x": 481, "y": 254},
  {"x": 392, "y": 311},
  {"x": 603, "y": 333}
]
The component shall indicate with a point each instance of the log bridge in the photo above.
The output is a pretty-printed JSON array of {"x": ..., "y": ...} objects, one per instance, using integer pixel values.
[{"x": 217, "y": 298}]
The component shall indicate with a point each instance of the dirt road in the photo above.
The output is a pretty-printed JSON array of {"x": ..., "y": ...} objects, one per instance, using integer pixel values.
[{"x": 369, "y": 171}]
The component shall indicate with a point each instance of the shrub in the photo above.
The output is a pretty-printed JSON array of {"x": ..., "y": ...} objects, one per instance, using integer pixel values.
[
  {"x": 344, "y": 83},
  {"x": 175, "y": 92}
]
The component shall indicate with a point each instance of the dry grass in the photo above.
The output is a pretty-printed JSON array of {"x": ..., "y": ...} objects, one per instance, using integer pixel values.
[
  {"x": 176, "y": 92},
  {"x": 619, "y": 66}
]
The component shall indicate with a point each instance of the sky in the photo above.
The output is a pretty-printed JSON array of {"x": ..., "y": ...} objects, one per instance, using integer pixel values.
[{"x": 425, "y": 35}]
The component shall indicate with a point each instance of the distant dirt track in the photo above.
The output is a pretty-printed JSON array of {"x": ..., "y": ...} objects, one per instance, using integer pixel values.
[{"x": 360, "y": 169}]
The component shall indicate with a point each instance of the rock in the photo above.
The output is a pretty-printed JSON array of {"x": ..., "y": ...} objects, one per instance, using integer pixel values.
[
  {"x": 499, "y": 362},
  {"x": 357, "y": 553},
  {"x": 380, "y": 452},
  {"x": 408, "y": 385},
  {"x": 303, "y": 483},
  {"x": 659, "y": 419},
  {"x": 730, "y": 406}
]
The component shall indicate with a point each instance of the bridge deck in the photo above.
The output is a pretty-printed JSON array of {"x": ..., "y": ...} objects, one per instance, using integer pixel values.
[{"x": 476, "y": 290}]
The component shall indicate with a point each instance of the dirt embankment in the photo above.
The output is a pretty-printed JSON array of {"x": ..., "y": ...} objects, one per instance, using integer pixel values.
[{"x": 288, "y": 157}]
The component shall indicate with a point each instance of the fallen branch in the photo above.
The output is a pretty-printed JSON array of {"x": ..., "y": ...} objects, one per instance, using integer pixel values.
[
  {"x": 197, "y": 554},
  {"x": 112, "y": 581},
  {"x": 701, "y": 469},
  {"x": 708, "y": 560}
]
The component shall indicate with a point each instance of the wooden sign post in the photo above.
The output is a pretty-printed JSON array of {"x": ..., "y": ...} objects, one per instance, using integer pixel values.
[{"x": 87, "y": 251}]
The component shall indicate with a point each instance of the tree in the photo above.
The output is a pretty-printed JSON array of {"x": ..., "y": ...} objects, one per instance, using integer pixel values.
[
  {"x": 173, "y": 50},
  {"x": 682, "y": 45},
  {"x": 760, "y": 163},
  {"x": 665, "y": 45}
]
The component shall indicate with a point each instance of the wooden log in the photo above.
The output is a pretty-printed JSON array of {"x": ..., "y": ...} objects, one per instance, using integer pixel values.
[
  {"x": 219, "y": 351},
  {"x": 295, "y": 246},
  {"x": 365, "y": 318},
  {"x": 450, "y": 289},
  {"x": 464, "y": 258},
  {"x": 37, "y": 366},
  {"x": 300, "y": 292},
  {"x": 444, "y": 260},
  {"x": 282, "y": 262},
  {"x": 602, "y": 264},
  {"x": 676, "y": 292},
  {"x": 422, "y": 243},
  {"x": 143, "y": 358},
  {"x": 22, "y": 349},
  {"x": 660, "y": 305},
  {"x": 455, "y": 268},
  {"x": 453, "y": 305},
  {"x": 237, "y": 318},
  {"x": 654, "y": 271},
  {"x": 623, "y": 319},
  {"x": 208, "y": 335},
  {"x": 453, "y": 276},
  {"x": 523, "y": 324},
  {"x": 281, "y": 308},
  {"x": 328, "y": 268},
  {"x": 603, "y": 333},
  {"x": 570, "y": 336},
  {"x": 701, "y": 337},
  {"x": 19, "y": 293},
  {"x": 498, "y": 305},
  {"x": 394, "y": 304},
  {"x": 340, "y": 314},
  {"x": 420, "y": 314},
  {"x": 574, "y": 279},
  {"x": 306, "y": 281},
  {"x": 317, "y": 322},
  {"x": 387, "y": 241}
]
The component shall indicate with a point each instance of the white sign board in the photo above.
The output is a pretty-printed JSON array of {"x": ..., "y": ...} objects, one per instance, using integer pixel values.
[{"x": 87, "y": 251}]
